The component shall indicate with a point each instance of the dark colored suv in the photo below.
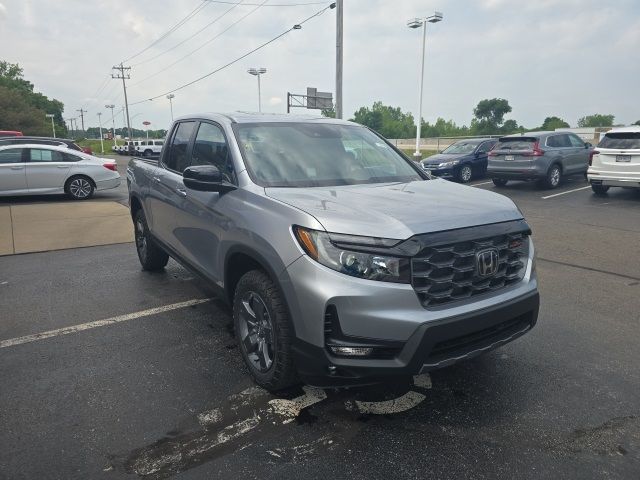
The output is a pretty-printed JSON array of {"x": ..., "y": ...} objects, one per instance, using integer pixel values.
[
  {"x": 542, "y": 156},
  {"x": 460, "y": 161}
]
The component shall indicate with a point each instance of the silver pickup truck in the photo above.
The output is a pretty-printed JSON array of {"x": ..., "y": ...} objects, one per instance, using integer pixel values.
[{"x": 343, "y": 261}]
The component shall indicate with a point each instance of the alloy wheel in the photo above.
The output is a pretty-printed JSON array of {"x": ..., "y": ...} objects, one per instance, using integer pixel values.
[
  {"x": 141, "y": 238},
  {"x": 465, "y": 173},
  {"x": 256, "y": 331},
  {"x": 554, "y": 177},
  {"x": 80, "y": 188}
]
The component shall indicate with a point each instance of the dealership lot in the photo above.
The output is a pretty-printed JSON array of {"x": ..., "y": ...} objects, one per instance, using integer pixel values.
[{"x": 158, "y": 388}]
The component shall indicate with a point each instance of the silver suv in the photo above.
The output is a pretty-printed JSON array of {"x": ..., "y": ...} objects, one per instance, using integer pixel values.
[
  {"x": 543, "y": 156},
  {"x": 343, "y": 261}
]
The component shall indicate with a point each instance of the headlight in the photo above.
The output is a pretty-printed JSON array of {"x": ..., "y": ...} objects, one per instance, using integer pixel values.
[
  {"x": 355, "y": 261},
  {"x": 450, "y": 163}
]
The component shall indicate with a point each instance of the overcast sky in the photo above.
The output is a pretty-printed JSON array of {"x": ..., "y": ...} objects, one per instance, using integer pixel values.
[{"x": 568, "y": 58}]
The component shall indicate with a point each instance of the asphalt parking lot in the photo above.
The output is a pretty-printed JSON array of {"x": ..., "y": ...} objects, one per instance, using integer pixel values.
[{"x": 111, "y": 372}]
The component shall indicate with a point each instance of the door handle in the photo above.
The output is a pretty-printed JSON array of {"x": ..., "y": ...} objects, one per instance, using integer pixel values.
[
  {"x": 155, "y": 179},
  {"x": 17, "y": 168},
  {"x": 181, "y": 192},
  {"x": 62, "y": 166}
]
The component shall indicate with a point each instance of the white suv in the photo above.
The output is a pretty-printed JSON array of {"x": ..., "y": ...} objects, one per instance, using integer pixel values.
[
  {"x": 149, "y": 147},
  {"x": 616, "y": 160}
]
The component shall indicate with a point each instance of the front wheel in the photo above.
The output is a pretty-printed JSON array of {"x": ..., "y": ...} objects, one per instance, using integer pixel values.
[
  {"x": 499, "y": 182},
  {"x": 263, "y": 331},
  {"x": 464, "y": 174},
  {"x": 151, "y": 256},
  {"x": 600, "y": 189},
  {"x": 79, "y": 188},
  {"x": 147, "y": 153}
]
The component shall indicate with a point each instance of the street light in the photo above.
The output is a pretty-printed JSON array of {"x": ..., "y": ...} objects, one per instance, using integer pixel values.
[
  {"x": 417, "y": 23},
  {"x": 53, "y": 127},
  {"x": 101, "y": 140},
  {"x": 113, "y": 121},
  {"x": 257, "y": 72},
  {"x": 170, "y": 97}
]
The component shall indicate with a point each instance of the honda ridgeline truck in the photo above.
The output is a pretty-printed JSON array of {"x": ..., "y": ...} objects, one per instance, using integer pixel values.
[{"x": 344, "y": 262}]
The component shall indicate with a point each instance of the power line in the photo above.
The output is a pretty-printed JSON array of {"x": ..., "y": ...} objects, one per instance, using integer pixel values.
[
  {"x": 201, "y": 46},
  {"x": 297, "y": 26},
  {"x": 270, "y": 5},
  {"x": 184, "y": 20},
  {"x": 189, "y": 38}
]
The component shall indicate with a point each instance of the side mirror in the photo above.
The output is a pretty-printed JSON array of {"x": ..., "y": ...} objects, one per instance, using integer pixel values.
[
  {"x": 206, "y": 178},
  {"x": 588, "y": 145}
]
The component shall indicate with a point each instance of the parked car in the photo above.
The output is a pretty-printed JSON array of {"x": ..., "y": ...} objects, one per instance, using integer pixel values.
[
  {"x": 87, "y": 150},
  {"x": 10, "y": 133},
  {"x": 147, "y": 148},
  {"x": 36, "y": 169},
  {"x": 543, "y": 156},
  {"x": 461, "y": 161},
  {"x": 616, "y": 162},
  {"x": 344, "y": 262},
  {"x": 62, "y": 142}
]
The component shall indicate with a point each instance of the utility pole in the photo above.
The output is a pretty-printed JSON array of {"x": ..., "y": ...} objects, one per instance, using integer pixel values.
[
  {"x": 339, "y": 56},
  {"x": 72, "y": 128},
  {"x": 124, "y": 76},
  {"x": 82, "y": 112},
  {"x": 53, "y": 127},
  {"x": 101, "y": 140},
  {"x": 113, "y": 122},
  {"x": 170, "y": 97}
]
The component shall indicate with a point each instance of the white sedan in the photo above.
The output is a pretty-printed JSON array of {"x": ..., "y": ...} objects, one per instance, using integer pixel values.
[{"x": 31, "y": 169}]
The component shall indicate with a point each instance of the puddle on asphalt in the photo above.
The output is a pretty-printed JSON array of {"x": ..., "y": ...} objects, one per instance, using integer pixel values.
[{"x": 249, "y": 416}]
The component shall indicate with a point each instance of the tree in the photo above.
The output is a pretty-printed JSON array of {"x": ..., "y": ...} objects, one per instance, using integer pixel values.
[
  {"x": 22, "y": 108},
  {"x": 596, "y": 120},
  {"x": 443, "y": 128},
  {"x": 510, "y": 126},
  {"x": 637, "y": 123},
  {"x": 390, "y": 122},
  {"x": 492, "y": 111},
  {"x": 551, "y": 123},
  {"x": 328, "y": 112}
]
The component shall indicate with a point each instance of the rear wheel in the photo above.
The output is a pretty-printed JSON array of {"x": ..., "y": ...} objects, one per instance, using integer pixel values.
[
  {"x": 151, "y": 256},
  {"x": 499, "y": 182},
  {"x": 464, "y": 174},
  {"x": 554, "y": 177},
  {"x": 263, "y": 331},
  {"x": 147, "y": 153},
  {"x": 79, "y": 188},
  {"x": 600, "y": 189}
]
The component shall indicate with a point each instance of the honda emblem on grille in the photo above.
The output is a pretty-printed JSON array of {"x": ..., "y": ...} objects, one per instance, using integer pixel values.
[{"x": 487, "y": 262}]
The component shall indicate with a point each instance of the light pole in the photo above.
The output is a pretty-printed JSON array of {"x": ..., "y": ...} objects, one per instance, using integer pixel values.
[
  {"x": 257, "y": 72},
  {"x": 170, "y": 97},
  {"x": 113, "y": 122},
  {"x": 53, "y": 127},
  {"x": 417, "y": 23},
  {"x": 101, "y": 140}
]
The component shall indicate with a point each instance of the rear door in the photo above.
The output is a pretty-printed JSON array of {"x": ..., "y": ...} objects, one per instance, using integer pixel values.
[
  {"x": 13, "y": 177},
  {"x": 620, "y": 152},
  {"x": 46, "y": 170}
]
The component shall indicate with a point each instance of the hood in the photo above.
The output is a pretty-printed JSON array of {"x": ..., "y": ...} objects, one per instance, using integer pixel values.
[
  {"x": 445, "y": 157},
  {"x": 398, "y": 210}
]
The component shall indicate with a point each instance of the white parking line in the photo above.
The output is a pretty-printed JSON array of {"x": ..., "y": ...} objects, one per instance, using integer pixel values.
[
  {"x": 483, "y": 183},
  {"x": 564, "y": 193},
  {"x": 100, "y": 323}
]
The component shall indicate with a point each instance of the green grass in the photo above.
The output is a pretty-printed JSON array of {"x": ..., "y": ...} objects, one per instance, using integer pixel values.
[
  {"x": 94, "y": 145},
  {"x": 425, "y": 153}
]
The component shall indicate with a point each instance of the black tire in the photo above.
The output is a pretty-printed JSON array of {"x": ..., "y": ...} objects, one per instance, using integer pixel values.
[
  {"x": 151, "y": 256},
  {"x": 464, "y": 174},
  {"x": 79, "y": 187},
  {"x": 600, "y": 189},
  {"x": 258, "y": 298},
  {"x": 553, "y": 178},
  {"x": 499, "y": 182},
  {"x": 147, "y": 153}
]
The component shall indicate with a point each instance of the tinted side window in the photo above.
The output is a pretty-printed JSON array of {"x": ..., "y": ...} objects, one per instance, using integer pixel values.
[
  {"x": 39, "y": 156},
  {"x": 71, "y": 158},
  {"x": 576, "y": 141},
  {"x": 210, "y": 148},
  {"x": 176, "y": 158},
  {"x": 11, "y": 155},
  {"x": 558, "y": 141},
  {"x": 485, "y": 147}
]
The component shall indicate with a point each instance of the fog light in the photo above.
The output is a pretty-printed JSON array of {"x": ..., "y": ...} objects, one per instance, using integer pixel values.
[{"x": 352, "y": 351}]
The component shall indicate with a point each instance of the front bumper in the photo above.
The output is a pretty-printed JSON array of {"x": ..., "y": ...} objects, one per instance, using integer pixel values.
[{"x": 445, "y": 172}]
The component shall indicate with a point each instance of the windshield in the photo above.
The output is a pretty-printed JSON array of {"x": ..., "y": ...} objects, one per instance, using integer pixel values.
[
  {"x": 319, "y": 154},
  {"x": 622, "y": 140},
  {"x": 461, "y": 147}
]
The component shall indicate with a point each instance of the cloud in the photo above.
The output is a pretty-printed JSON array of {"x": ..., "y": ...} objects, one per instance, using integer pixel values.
[{"x": 3, "y": 12}]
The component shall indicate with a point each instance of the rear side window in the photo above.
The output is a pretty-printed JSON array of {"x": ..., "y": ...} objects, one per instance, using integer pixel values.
[
  {"x": 485, "y": 147},
  {"x": 515, "y": 144},
  {"x": 622, "y": 140},
  {"x": 11, "y": 155},
  {"x": 176, "y": 157},
  {"x": 159, "y": 142},
  {"x": 39, "y": 156}
]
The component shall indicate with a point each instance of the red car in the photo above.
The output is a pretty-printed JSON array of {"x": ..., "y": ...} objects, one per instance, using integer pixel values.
[
  {"x": 87, "y": 150},
  {"x": 10, "y": 133}
]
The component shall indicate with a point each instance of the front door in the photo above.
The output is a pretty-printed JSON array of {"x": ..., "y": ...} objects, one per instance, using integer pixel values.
[
  {"x": 46, "y": 170},
  {"x": 13, "y": 177}
]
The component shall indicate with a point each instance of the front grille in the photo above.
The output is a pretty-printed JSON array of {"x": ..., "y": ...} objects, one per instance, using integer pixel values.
[{"x": 447, "y": 273}]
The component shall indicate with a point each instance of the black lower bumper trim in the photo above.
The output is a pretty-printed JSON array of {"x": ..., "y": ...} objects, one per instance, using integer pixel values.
[{"x": 433, "y": 345}]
